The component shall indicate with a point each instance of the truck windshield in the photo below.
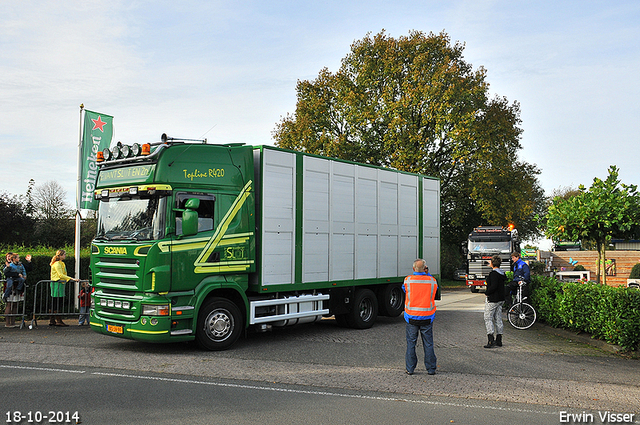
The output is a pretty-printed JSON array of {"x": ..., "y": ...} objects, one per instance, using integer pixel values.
[
  {"x": 489, "y": 247},
  {"x": 134, "y": 218}
]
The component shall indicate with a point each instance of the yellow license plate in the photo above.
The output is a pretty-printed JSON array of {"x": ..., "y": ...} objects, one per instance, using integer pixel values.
[{"x": 115, "y": 329}]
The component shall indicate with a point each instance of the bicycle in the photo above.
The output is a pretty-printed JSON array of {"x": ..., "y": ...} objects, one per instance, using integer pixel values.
[{"x": 521, "y": 315}]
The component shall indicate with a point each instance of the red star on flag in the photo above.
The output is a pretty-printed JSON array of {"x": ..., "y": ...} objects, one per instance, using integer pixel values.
[{"x": 98, "y": 124}]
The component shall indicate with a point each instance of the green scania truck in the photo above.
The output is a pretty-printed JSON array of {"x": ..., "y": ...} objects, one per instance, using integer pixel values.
[{"x": 202, "y": 241}]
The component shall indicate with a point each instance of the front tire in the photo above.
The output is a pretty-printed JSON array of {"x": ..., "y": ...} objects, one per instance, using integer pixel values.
[
  {"x": 220, "y": 324},
  {"x": 521, "y": 316},
  {"x": 365, "y": 309}
]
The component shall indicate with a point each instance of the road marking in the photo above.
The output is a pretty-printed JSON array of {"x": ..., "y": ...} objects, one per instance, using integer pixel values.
[
  {"x": 43, "y": 368},
  {"x": 322, "y": 393}
]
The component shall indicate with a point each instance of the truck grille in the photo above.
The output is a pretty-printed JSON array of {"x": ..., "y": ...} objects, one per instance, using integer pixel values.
[
  {"x": 478, "y": 269},
  {"x": 118, "y": 272}
]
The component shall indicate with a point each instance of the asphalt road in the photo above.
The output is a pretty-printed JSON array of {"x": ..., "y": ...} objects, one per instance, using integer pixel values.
[{"x": 310, "y": 373}]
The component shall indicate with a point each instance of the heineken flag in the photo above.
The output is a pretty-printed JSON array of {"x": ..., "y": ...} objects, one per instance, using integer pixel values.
[{"x": 96, "y": 136}]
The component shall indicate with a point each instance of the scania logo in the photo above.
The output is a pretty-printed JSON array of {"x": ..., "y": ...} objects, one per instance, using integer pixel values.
[{"x": 115, "y": 250}]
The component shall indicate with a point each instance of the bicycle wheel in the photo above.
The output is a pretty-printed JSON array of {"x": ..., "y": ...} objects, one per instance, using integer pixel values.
[{"x": 521, "y": 316}]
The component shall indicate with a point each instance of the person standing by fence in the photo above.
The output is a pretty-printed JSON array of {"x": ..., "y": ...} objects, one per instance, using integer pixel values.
[
  {"x": 85, "y": 303},
  {"x": 59, "y": 280},
  {"x": 16, "y": 275}
]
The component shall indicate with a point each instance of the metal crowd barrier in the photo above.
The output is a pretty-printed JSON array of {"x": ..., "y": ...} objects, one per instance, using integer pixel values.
[
  {"x": 45, "y": 305},
  {"x": 12, "y": 307}
]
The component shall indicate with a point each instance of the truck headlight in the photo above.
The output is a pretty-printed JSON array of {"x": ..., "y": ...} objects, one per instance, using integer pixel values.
[{"x": 155, "y": 309}]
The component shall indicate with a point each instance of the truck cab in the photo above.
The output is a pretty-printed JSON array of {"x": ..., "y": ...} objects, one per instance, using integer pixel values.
[{"x": 483, "y": 243}]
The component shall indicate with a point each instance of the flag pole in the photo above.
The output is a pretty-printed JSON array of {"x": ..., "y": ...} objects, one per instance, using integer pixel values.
[{"x": 78, "y": 216}]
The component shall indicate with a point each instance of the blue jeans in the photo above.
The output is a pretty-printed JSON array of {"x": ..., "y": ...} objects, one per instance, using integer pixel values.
[
  {"x": 411, "y": 359},
  {"x": 19, "y": 284},
  {"x": 84, "y": 315}
]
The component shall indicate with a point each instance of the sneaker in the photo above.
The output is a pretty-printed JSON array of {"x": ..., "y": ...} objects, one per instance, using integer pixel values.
[
  {"x": 408, "y": 373},
  {"x": 431, "y": 372}
]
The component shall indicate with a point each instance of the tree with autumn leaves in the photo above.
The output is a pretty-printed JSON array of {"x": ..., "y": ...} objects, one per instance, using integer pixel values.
[
  {"x": 608, "y": 209},
  {"x": 414, "y": 104}
]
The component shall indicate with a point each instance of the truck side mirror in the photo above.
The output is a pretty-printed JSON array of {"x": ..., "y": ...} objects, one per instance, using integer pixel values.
[{"x": 190, "y": 217}]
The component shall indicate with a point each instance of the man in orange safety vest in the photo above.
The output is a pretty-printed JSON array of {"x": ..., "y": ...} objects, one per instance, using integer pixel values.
[{"x": 419, "y": 311}]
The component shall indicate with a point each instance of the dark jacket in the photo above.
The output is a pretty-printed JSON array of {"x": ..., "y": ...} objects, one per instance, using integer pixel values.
[{"x": 495, "y": 286}]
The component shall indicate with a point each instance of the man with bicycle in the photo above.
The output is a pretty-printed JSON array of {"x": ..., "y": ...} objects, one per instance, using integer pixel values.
[{"x": 521, "y": 273}]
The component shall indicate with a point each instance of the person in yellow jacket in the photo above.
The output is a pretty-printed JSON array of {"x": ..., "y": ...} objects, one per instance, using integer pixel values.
[
  {"x": 419, "y": 311},
  {"x": 59, "y": 280}
]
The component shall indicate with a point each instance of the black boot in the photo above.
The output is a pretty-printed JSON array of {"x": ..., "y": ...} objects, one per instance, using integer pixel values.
[
  {"x": 499, "y": 340},
  {"x": 491, "y": 343}
]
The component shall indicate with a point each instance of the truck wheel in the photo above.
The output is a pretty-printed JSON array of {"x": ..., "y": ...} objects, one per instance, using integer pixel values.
[
  {"x": 474, "y": 289},
  {"x": 391, "y": 302},
  {"x": 219, "y": 324},
  {"x": 365, "y": 309}
]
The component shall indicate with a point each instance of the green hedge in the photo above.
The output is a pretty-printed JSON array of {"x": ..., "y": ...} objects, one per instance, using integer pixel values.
[{"x": 608, "y": 313}]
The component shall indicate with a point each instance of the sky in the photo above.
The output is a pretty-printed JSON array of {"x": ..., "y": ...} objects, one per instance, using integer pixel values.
[{"x": 227, "y": 71}]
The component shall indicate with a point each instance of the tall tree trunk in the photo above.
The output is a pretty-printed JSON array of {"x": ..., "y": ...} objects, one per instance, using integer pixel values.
[{"x": 602, "y": 255}]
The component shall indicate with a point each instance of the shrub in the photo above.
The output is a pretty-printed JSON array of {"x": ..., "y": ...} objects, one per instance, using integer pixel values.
[
  {"x": 635, "y": 272},
  {"x": 536, "y": 267},
  {"x": 544, "y": 295},
  {"x": 579, "y": 268},
  {"x": 608, "y": 313}
]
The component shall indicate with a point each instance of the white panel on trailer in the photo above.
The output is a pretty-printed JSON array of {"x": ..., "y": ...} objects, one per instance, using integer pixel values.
[
  {"x": 408, "y": 221},
  {"x": 342, "y": 256},
  {"x": 342, "y": 252},
  {"x": 431, "y": 223},
  {"x": 388, "y": 201},
  {"x": 367, "y": 256},
  {"x": 432, "y": 254},
  {"x": 408, "y": 252},
  {"x": 315, "y": 221},
  {"x": 367, "y": 199},
  {"x": 343, "y": 198},
  {"x": 358, "y": 222},
  {"x": 316, "y": 257},
  {"x": 278, "y": 217},
  {"x": 388, "y": 223},
  {"x": 277, "y": 261},
  {"x": 388, "y": 264},
  {"x": 366, "y": 223}
]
